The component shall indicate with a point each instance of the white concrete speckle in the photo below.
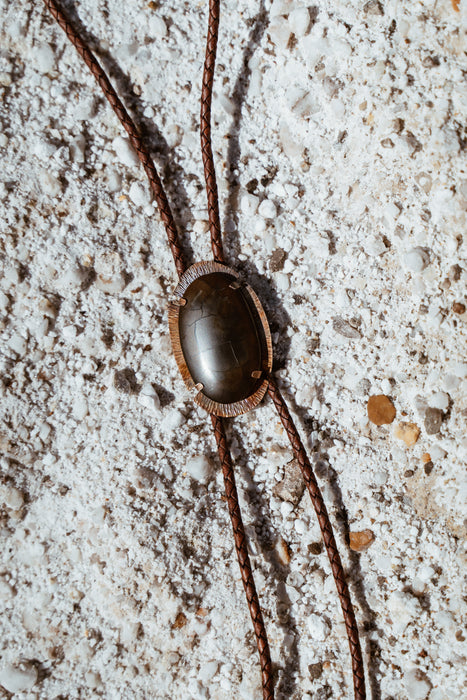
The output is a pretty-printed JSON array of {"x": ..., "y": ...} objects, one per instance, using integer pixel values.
[{"x": 18, "y": 679}]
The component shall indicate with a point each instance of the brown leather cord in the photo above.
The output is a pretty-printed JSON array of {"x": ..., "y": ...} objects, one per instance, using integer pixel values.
[
  {"x": 167, "y": 217},
  {"x": 328, "y": 538},
  {"x": 217, "y": 422},
  {"x": 205, "y": 130},
  {"x": 223, "y": 450},
  {"x": 130, "y": 127},
  {"x": 243, "y": 558}
]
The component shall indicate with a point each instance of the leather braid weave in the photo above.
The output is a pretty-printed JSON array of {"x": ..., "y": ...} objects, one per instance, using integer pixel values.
[
  {"x": 216, "y": 242},
  {"x": 217, "y": 424},
  {"x": 129, "y": 126},
  {"x": 205, "y": 130},
  {"x": 243, "y": 558},
  {"x": 328, "y": 538}
]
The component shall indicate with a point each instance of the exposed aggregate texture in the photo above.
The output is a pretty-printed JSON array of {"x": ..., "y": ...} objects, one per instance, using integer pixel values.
[{"x": 339, "y": 137}]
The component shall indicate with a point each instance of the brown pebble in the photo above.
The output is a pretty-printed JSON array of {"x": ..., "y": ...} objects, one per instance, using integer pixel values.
[
  {"x": 283, "y": 551},
  {"x": 380, "y": 409},
  {"x": 180, "y": 621},
  {"x": 359, "y": 541},
  {"x": 426, "y": 457},
  {"x": 315, "y": 548},
  {"x": 315, "y": 670},
  {"x": 458, "y": 307},
  {"x": 408, "y": 432},
  {"x": 428, "y": 468}
]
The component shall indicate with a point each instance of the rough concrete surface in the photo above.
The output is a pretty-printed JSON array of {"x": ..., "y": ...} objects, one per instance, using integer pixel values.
[{"x": 339, "y": 137}]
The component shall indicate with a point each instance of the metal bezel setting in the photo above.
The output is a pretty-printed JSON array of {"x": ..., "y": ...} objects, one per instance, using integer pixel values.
[{"x": 219, "y": 409}]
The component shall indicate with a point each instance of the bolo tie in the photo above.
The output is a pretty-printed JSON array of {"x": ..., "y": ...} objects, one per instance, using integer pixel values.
[{"x": 222, "y": 344}]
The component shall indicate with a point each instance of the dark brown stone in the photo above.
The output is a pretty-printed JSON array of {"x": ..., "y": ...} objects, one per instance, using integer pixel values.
[
  {"x": 315, "y": 548},
  {"x": 315, "y": 670},
  {"x": 222, "y": 338},
  {"x": 428, "y": 468},
  {"x": 252, "y": 186}
]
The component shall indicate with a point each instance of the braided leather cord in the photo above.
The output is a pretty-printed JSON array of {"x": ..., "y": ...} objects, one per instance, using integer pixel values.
[
  {"x": 167, "y": 217},
  {"x": 216, "y": 242},
  {"x": 243, "y": 558},
  {"x": 217, "y": 424},
  {"x": 328, "y": 538},
  {"x": 205, "y": 131},
  {"x": 129, "y": 126}
]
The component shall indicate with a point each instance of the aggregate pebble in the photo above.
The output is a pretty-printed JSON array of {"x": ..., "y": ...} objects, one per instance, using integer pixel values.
[
  {"x": 139, "y": 194},
  {"x": 124, "y": 152},
  {"x": 408, "y": 432},
  {"x": 200, "y": 468},
  {"x": 455, "y": 273},
  {"x": 380, "y": 409},
  {"x": 299, "y": 21},
  {"x": 292, "y": 486},
  {"x": 359, "y": 541},
  {"x": 416, "y": 684},
  {"x": 19, "y": 678},
  {"x": 433, "y": 420},
  {"x": 267, "y": 209},
  {"x": 344, "y": 328},
  {"x": 437, "y": 453},
  {"x": 283, "y": 551},
  {"x": 277, "y": 259},
  {"x": 149, "y": 398},
  {"x": 319, "y": 628},
  {"x": 440, "y": 400},
  {"x": 6, "y": 591},
  {"x": 18, "y": 344},
  {"x": 11, "y": 497},
  {"x": 416, "y": 260}
]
